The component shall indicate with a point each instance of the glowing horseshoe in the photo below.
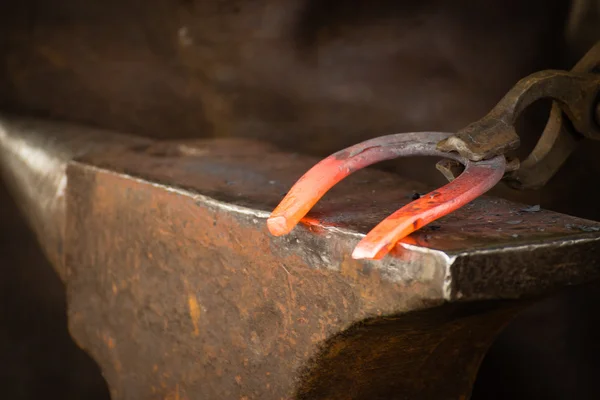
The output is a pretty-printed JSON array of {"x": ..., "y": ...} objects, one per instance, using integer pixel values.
[{"x": 477, "y": 178}]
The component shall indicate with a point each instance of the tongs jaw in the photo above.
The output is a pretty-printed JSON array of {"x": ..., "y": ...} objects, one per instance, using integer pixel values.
[
  {"x": 476, "y": 179},
  {"x": 574, "y": 116}
]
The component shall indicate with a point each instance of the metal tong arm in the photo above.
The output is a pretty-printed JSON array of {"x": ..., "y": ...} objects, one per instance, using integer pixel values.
[{"x": 573, "y": 117}]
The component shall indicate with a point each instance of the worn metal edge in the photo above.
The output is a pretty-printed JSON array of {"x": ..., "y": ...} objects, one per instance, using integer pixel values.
[
  {"x": 34, "y": 155},
  {"x": 580, "y": 252}
]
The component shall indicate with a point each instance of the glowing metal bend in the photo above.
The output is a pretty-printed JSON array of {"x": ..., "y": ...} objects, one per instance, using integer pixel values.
[{"x": 477, "y": 178}]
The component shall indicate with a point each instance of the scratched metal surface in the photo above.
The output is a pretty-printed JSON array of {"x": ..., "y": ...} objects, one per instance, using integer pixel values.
[
  {"x": 177, "y": 295},
  {"x": 176, "y": 289},
  {"x": 493, "y": 248},
  {"x": 34, "y": 156}
]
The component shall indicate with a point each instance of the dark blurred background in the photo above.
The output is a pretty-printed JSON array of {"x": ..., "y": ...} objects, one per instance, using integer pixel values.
[{"x": 308, "y": 75}]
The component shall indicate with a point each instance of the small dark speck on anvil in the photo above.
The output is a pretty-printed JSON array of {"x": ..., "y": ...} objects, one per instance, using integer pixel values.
[
  {"x": 535, "y": 208},
  {"x": 514, "y": 222},
  {"x": 583, "y": 228}
]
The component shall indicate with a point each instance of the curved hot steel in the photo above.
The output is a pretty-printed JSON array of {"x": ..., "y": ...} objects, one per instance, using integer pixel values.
[{"x": 476, "y": 179}]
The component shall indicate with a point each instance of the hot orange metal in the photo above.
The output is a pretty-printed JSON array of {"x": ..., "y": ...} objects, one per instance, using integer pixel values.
[
  {"x": 468, "y": 186},
  {"x": 477, "y": 179}
]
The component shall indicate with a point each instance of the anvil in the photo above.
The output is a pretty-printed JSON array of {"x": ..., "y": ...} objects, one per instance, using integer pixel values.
[{"x": 178, "y": 291}]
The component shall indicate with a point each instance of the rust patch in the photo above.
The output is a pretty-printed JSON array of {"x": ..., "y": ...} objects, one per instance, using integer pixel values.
[{"x": 194, "y": 313}]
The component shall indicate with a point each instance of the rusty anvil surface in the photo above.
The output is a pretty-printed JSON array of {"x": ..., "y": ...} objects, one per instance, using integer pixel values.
[{"x": 178, "y": 291}]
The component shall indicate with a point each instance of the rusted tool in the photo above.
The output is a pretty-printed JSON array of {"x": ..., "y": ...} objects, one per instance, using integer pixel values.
[
  {"x": 177, "y": 290},
  {"x": 575, "y": 115}
]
